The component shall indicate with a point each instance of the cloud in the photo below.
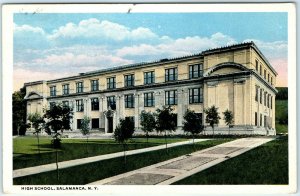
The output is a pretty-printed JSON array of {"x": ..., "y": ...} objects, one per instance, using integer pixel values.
[
  {"x": 94, "y": 28},
  {"x": 27, "y": 28}
]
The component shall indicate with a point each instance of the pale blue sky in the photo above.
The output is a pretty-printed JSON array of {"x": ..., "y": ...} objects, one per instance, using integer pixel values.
[{"x": 48, "y": 46}]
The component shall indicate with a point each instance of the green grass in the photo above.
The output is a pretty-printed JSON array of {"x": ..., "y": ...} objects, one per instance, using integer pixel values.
[
  {"x": 267, "y": 164},
  {"x": 26, "y": 154},
  {"x": 83, "y": 174},
  {"x": 281, "y": 108}
]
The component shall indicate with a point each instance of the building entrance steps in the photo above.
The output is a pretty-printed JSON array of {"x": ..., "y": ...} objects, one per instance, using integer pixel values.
[
  {"x": 173, "y": 170},
  {"x": 65, "y": 164}
]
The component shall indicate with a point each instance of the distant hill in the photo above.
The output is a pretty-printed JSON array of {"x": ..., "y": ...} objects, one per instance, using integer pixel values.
[{"x": 282, "y": 93}]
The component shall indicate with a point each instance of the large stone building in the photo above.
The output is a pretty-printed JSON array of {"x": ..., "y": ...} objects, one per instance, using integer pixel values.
[{"x": 237, "y": 77}]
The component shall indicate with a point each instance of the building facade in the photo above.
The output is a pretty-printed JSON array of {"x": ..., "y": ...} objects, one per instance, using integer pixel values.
[{"x": 238, "y": 78}]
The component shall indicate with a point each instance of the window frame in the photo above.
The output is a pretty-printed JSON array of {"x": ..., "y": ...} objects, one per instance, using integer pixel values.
[
  {"x": 111, "y": 82},
  {"x": 66, "y": 89},
  {"x": 52, "y": 91},
  {"x": 149, "y": 101},
  {"x": 94, "y": 85},
  {"x": 196, "y": 98},
  {"x": 79, "y": 105},
  {"x": 94, "y": 106},
  {"x": 111, "y": 99},
  {"x": 171, "y": 77},
  {"x": 79, "y": 88},
  {"x": 168, "y": 97},
  {"x": 147, "y": 78},
  {"x": 195, "y": 73},
  {"x": 129, "y": 80},
  {"x": 129, "y": 100}
]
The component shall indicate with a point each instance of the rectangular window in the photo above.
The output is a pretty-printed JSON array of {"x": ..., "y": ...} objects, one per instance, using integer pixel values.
[
  {"x": 260, "y": 69},
  {"x": 260, "y": 95},
  {"x": 94, "y": 104},
  {"x": 95, "y": 123},
  {"x": 65, "y": 88},
  {"x": 268, "y": 101},
  {"x": 271, "y": 80},
  {"x": 260, "y": 120},
  {"x": 256, "y": 93},
  {"x": 149, "y": 77},
  {"x": 79, "y": 121},
  {"x": 196, "y": 71},
  {"x": 268, "y": 77},
  {"x": 265, "y": 76},
  {"x": 129, "y": 101},
  {"x": 255, "y": 118},
  {"x": 111, "y": 102},
  {"x": 149, "y": 99},
  {"x": 271, "y": 102},
  {"x": 265, "y": 99},
  {"x": 129, "y": 80},
  {"x": 171, "y": 97},
  {"x": 65, "y": 103},
  {"x": 111, "y": 83},
  {"x": 79, "y": 87},
  {"x": 256, "y": 65},
  {"x": 171, "y": 74},
  {"x": 52, "y": 91},
  {"x": 79, "y": 105},
  {"x": 94, "y": 85},
  {"x": 196, "y": 95}
]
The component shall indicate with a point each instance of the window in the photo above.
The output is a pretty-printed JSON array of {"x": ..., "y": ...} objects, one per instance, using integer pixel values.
[
  {"x": 79, "y": 105},
  {"x": 149, "y": 99},
  {"x": 256, "y": 93},
  {"x": 171, "y": 74},
  {"x": 171, "y": 97},
  {"x": 265, "y": 99},
  {"x": 256, "y": 65},
  {"x": 95, "y": 123},
  {"x": 51, "y": 104},
  {"x": 260, "y": 69},
  {"x": 265, "y": 74},
  {"x": 268, "y": 77},
  {"x": 53, "y": 91},
  {"x": 111, "y": 83},
  {"x": 149, "y": 77},
  {"x": 79, "y": 87},
  {"x": 94, "y": 85},
  {"x": 79, "y": 121},
  {"x": 65, "y": 88},
  {"x": 196, "y": 95},
  {"x": 271, "y": 104},
  {"x": 129, "y": 101},
  {"x": 256, "y": 119},
  {"x": 260, "y": 120},
  {"x": 271, "y": 80},
  {"x": 196, "y": 71},
  {"x": 268, "y": 101},
  {"x": 111, "y": 102},
  {"x": 260, "y": 95},
  {"x": 65, "y": 103},
  {"x": 129, "y": 80},
  {"x": 94, "y": 104}
]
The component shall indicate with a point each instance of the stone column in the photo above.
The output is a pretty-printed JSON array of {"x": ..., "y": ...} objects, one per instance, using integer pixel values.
[
  {"x": 136, "y": 110},
  {"x": 73, "y": 106}
]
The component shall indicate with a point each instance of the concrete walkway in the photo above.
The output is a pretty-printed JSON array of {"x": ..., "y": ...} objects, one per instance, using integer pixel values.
[
  {"x": 173, "y": 170},
  {"x": 65, "y": 164}
]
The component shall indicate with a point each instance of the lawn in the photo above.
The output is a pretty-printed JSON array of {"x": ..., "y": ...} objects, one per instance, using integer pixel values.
[
  {"x": 267, "y": 164},
  {"x": 87, "y": 173},
  {"x": 26, "y": 153}
]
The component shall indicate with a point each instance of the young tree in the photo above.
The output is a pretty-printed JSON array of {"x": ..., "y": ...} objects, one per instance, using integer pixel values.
[
  {"x": 192, "y": 124},
  {"x": 85, "y": 129},
  {"x": 37, "y": 122},
  {"x": 166, "y": 121},
  {"x": 123, "y": 132},
  {"x": 58, "y": 119},
  {"x": 148, "y": 122},
  {"x": 212, "y": 117},
  {"x": 228, "y": 117}
]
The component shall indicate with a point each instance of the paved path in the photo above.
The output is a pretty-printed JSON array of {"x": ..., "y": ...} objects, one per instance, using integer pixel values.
[
  {"x": 65, "y": 164},
  {"x": 173, "y": 170}
]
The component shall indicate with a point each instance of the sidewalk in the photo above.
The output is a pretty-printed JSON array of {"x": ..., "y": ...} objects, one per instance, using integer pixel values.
[
  {"x": 65, "y": 164},
  {"x": 173, "y": 170}
]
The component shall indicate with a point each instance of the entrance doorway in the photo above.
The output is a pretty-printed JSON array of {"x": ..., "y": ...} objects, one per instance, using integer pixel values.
[{"x": 110, "y": 124}]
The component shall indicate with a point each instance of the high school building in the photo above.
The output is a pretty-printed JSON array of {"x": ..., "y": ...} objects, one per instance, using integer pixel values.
[{"x": 238, "y": 78}]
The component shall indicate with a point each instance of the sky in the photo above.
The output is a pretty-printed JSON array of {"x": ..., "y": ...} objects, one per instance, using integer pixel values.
[{"x": 50, "y": 46}]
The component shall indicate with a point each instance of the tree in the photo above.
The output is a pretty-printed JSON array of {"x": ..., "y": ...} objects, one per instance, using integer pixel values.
[
  {"x": 166, "y": 121},
  {"x": 123, "y": 132},
  {"x": 148, "y": 122},
  {"x": 37, "y": 122},
  {"x": 228, "y": 117},
  {"x": 58, "y": 119},
  {"x": 85, "y": 129},
  {"x": 212, "y": 116},
  {"x": 192, "y": 124},
  {"x": 19, "y": 112}
]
